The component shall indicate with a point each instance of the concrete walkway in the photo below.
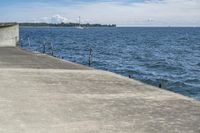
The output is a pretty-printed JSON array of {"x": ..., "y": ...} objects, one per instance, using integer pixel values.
[{"x": 41, "y": 94}]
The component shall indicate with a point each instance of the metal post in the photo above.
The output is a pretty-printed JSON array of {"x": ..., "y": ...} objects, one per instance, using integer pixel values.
[
  {"x": 160, "y": 85},
  {"x": 90, "y": 57},
  {"x": 29, "y": 42},
  {"x": 44, "y": 48},
  {"x": 52, "y": 48}
]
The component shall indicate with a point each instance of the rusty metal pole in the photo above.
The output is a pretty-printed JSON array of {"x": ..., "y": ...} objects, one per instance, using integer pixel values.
[{"x": 90, "y": 57}]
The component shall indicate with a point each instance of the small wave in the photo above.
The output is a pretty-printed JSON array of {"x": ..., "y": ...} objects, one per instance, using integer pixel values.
[
  {"x": 178, "y": 85},
  {"x": 198, "y": 64},
  {"x": 192, "y": 80},
  {"x": 165, "y": 67}
]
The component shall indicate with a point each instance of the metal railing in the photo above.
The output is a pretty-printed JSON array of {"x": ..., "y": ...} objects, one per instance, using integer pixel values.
[{"x": 47, "y": 47}]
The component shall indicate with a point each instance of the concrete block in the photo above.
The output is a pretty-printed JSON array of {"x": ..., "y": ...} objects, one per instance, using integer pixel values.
[{"x": 9, "y": 35}]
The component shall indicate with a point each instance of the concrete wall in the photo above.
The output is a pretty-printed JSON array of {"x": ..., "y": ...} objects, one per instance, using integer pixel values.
[{"x": 9, "y": 35}]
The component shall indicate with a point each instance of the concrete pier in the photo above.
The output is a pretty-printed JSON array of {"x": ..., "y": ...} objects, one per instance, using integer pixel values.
[{"x": 42, "y": 94}]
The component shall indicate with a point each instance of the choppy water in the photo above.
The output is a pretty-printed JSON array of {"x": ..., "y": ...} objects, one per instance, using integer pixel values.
[{"x": 170, "y": 56}]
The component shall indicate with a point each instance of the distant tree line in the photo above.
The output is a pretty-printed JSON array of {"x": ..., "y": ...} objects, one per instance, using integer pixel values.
[{"x": 66, "y": 25}]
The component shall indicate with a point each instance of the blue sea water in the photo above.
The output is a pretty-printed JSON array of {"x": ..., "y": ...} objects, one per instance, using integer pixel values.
[{"x": 170, "y": 56}]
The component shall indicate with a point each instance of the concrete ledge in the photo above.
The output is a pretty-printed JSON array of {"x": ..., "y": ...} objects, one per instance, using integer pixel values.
[
  {"x": 78, "y": 101},
  {"x": 9, "y": 34},
  {"x": 7, "y": 24},
  {"x": 11, "y": 57}
]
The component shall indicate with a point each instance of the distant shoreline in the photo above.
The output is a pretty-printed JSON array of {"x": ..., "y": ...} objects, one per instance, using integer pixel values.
[
  {"x": 64, "y": 25},
  {"x": 58, "y": 27}
]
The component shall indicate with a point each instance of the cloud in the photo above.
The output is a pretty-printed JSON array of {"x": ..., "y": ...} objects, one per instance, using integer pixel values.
[
  {"x": 146, "y": 13},
  {"x": 55, "y": 19}
]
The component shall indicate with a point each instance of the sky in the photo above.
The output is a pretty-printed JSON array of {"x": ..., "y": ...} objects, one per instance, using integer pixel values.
[{"x": 120, "y": 12}]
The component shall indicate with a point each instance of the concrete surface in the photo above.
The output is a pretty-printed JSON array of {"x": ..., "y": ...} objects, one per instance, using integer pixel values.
[
  {"x": 44, "y": 97},
  {"x": 7, "y": 24},
  {"x": 9, "y": 34},
  {"x": 16, "y": 58}
]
